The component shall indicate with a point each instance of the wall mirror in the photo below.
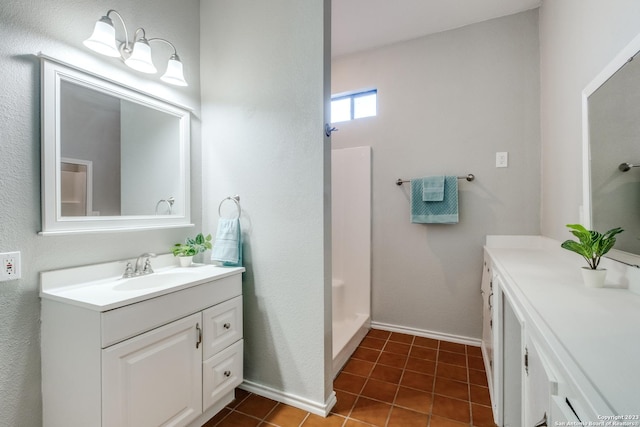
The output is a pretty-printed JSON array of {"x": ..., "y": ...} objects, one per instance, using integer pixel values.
[
  {"x": 113, "y": 158},
  {"x": 611, "y": 127}
]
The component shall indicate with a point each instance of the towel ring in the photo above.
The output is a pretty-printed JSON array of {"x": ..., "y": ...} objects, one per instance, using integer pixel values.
[{"x": 235, "y": 199}]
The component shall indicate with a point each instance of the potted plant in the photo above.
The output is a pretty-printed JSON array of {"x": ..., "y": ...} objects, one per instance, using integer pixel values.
[
  {"x": 192, "y": 246},
  {"x": 592, "y": 245}
]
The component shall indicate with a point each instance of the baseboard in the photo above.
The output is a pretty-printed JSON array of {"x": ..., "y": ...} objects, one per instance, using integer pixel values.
[
  {"x": 290, "y": 399},
  {"x": 475, "y": 342}
]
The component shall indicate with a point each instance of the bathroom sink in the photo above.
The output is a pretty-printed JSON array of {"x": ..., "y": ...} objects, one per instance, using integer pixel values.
[{"x": 154, "y": 280}]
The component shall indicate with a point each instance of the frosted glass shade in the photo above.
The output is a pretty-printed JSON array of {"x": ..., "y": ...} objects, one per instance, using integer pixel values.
[
  {"x": 174, "y": 74},
  {"x": 103, "y": 39},
  {"x": 140, "y": 58}
]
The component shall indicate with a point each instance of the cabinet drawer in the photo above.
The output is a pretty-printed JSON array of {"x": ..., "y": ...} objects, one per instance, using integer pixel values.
[
  {"x": 222, "y": 326},
  {"x": 221, "y": 374}
]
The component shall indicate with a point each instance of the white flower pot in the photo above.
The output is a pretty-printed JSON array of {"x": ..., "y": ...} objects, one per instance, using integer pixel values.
[
  {"x": 594, "y": 278},
  {"x": 185, "y": 261}
]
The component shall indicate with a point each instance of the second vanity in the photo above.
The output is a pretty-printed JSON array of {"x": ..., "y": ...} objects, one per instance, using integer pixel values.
[{"x": 160, "y": 349}]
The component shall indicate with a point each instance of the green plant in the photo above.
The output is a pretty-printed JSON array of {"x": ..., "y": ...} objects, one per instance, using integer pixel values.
[
  {"x": 192, "y": 246},
  {"x": 592, "y": 245}
]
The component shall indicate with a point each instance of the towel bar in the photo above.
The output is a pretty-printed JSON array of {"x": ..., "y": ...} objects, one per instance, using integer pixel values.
[
  {"x": 235, "y": 199},
  {"x": 470, "y": 177}
]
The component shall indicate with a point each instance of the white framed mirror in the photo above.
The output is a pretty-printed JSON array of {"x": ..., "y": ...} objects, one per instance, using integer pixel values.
[
  {"x": 113, "y": 158},
  {"x": 611, "y": 152}
]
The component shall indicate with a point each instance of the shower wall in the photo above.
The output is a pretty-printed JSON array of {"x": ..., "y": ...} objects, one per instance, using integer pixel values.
[{"x": 351, "y": 249}]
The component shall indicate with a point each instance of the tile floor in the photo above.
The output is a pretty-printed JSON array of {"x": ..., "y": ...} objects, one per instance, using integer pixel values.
[{"x": 392, "y": 380}]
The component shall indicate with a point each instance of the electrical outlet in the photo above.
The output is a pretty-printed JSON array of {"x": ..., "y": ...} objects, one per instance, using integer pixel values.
[
  {"x": 10, "y": 268},
  {"x": 502, "y": 159}
]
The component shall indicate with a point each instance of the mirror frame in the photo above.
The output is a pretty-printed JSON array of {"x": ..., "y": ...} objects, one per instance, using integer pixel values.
[
  {"x": 617, "y": 63},
  {"x": 53, "y": 72}
]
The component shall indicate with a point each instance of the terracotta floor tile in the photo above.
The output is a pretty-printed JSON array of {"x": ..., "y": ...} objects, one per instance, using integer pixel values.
[
  {"x": 356, "y": 423},
  {"x": 421, "y": 365},
  {"x": 358, "y": 367},
  {"x": 422, "y": 382},
  {"x": 478, "y": 377},
  {"x": 371, "y": 411},
  {"x": 443, "y": 422},
  {"x": 401, "y": 417},
  {"x": 373, "y": 343},
  {"x": 256, "y": 406},
  {"x": 397, "y": 347},
  {"x": 217, "y": 418},
  {"x": 380, "y": 390},
  {"x": 480, "y": 395},
  {"x": 403, "y": 338},
  {"x": 457, "y": 359},
  {"x": 368, "y": 354},
  {"x": 240, "y": 396},
  {"x": 286, "y": 416},
  {"x": 474, "y": 351},
  {"x": 386, "y": 373},
  {"x": 452, "y": 372},
  {"x": 378, "y": 333},
  {"x": 423, "y": 353},
  {"x": 349, "y": 383},
  {"x": 415, "y": 400},
  {"x": 451, "y": 388},
  {"x": 344, "y": 404},
  {"x": 454, "y": 409},
  {"x": 317, "y": 421},
  {"x": 426, "y": 342},
  {"x": 475, "y": 363},
  {"x": 392, "y": 359},
  {"x": 236, "y": 419},
  {"x": 482, "y": 416},
  {"x": 453, "y": 346}
]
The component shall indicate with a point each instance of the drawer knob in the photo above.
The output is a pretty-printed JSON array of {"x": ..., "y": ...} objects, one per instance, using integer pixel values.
[
  {"x": 227, "y": 325},
  {"x": 227, "y": 374}
]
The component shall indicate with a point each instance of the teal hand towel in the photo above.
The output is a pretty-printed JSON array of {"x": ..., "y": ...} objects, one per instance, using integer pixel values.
[
  {"x": 438, "y": 212},
  {"x": 433, "y": 188},
  {"x": 227, "y": 247}
]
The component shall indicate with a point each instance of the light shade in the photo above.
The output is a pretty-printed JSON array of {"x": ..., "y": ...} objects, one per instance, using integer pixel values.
[
  {"x": 103, "y": 39},
  {"x": 140, "y": 58},
  {"x": 174, "y": 74}
]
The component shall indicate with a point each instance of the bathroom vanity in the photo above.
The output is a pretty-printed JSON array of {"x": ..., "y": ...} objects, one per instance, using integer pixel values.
[
  {"x": 555, "y": 350},
  {"x": 160, "y": 349}
]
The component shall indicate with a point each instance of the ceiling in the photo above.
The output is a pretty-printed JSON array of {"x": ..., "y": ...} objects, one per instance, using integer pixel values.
[{"x": 366, "y": 24}]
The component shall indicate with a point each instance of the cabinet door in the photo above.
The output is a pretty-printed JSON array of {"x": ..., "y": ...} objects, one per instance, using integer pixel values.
[
  {"x": 222, "y": 326},
  {"x": 512, "y": 362},
  {"x": 539, "y": 385},
  {"x": 222, "y": 373},
  {"x": 154, "y": 379},
  {"x": 487, "y": 317}
]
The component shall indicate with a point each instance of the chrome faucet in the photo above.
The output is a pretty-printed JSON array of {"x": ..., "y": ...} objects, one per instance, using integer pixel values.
[{"x": 146, "y": 267}]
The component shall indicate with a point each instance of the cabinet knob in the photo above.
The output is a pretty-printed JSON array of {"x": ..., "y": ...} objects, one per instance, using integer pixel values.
[
  {"x": 227, "y": 325},
  {"x": 227, "y": 374}
]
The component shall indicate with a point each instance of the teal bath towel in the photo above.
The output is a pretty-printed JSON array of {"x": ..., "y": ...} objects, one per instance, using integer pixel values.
[
  {"x": 433, "y": 188},
  {"x": 227, "y": 247},
  {"x": 435, "y": 212}
]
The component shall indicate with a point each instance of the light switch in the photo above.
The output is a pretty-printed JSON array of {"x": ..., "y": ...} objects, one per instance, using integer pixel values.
[{"x": 502, "y": 159}]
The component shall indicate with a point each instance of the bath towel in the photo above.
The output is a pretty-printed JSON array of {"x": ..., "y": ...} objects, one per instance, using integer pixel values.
[
  {"x": 227, "y": 247},
  {"x": 433, "y": 188},
  {"x": 440, "y": 212}
]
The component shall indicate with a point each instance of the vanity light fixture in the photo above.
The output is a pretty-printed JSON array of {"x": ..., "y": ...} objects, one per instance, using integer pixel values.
[{"x": 136, "y": 53}]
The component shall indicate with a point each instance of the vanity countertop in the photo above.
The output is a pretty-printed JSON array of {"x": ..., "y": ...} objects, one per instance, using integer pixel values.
[
  {"x": 101, "y": 287},
  {"x": 597, "y": 328}
]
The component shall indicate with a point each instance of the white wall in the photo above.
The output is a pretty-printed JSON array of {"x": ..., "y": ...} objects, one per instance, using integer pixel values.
[
  {"x": 446, "y": 104},
  {"x": 578, "y": 38},
  {"x": 58, "y": 29},
  {"x": 264, "y": 66}
]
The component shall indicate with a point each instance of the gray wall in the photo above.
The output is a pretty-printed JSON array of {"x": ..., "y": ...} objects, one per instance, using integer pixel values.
[
  {"x": 446, "y": 104},
  {"x": 58, "y": 29},
  {"x": 263, "y": 68},
  {"x": 578, "y": 38}
]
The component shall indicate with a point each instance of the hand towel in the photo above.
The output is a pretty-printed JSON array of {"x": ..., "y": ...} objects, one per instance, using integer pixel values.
[
  {"x": 433, "y": 188},
  {"x": 227, "y": 247},
  {"x": 439, "y": 212}
]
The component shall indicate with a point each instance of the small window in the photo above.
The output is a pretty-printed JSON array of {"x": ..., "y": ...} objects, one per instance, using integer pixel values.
[{"x": 355, "y": 105}]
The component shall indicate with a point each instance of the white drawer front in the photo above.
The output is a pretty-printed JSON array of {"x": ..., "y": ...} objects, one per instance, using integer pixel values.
[
  {"x": 222, "y": 326},
  {"x": 221, "y": 374}
]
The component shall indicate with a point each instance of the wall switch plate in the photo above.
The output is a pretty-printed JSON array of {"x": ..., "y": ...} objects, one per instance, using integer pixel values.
[
  {"x": 10, "y": 268},
  {"x": 502, "y": 159}
]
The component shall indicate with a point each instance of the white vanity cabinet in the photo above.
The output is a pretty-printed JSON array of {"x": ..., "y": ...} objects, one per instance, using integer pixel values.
[{"x": 171, "y": 358}]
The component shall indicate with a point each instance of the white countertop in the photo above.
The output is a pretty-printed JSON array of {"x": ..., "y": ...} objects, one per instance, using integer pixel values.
[
  {"x": 598, "y": 328},
  {"x": 100, "y": 287}
]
